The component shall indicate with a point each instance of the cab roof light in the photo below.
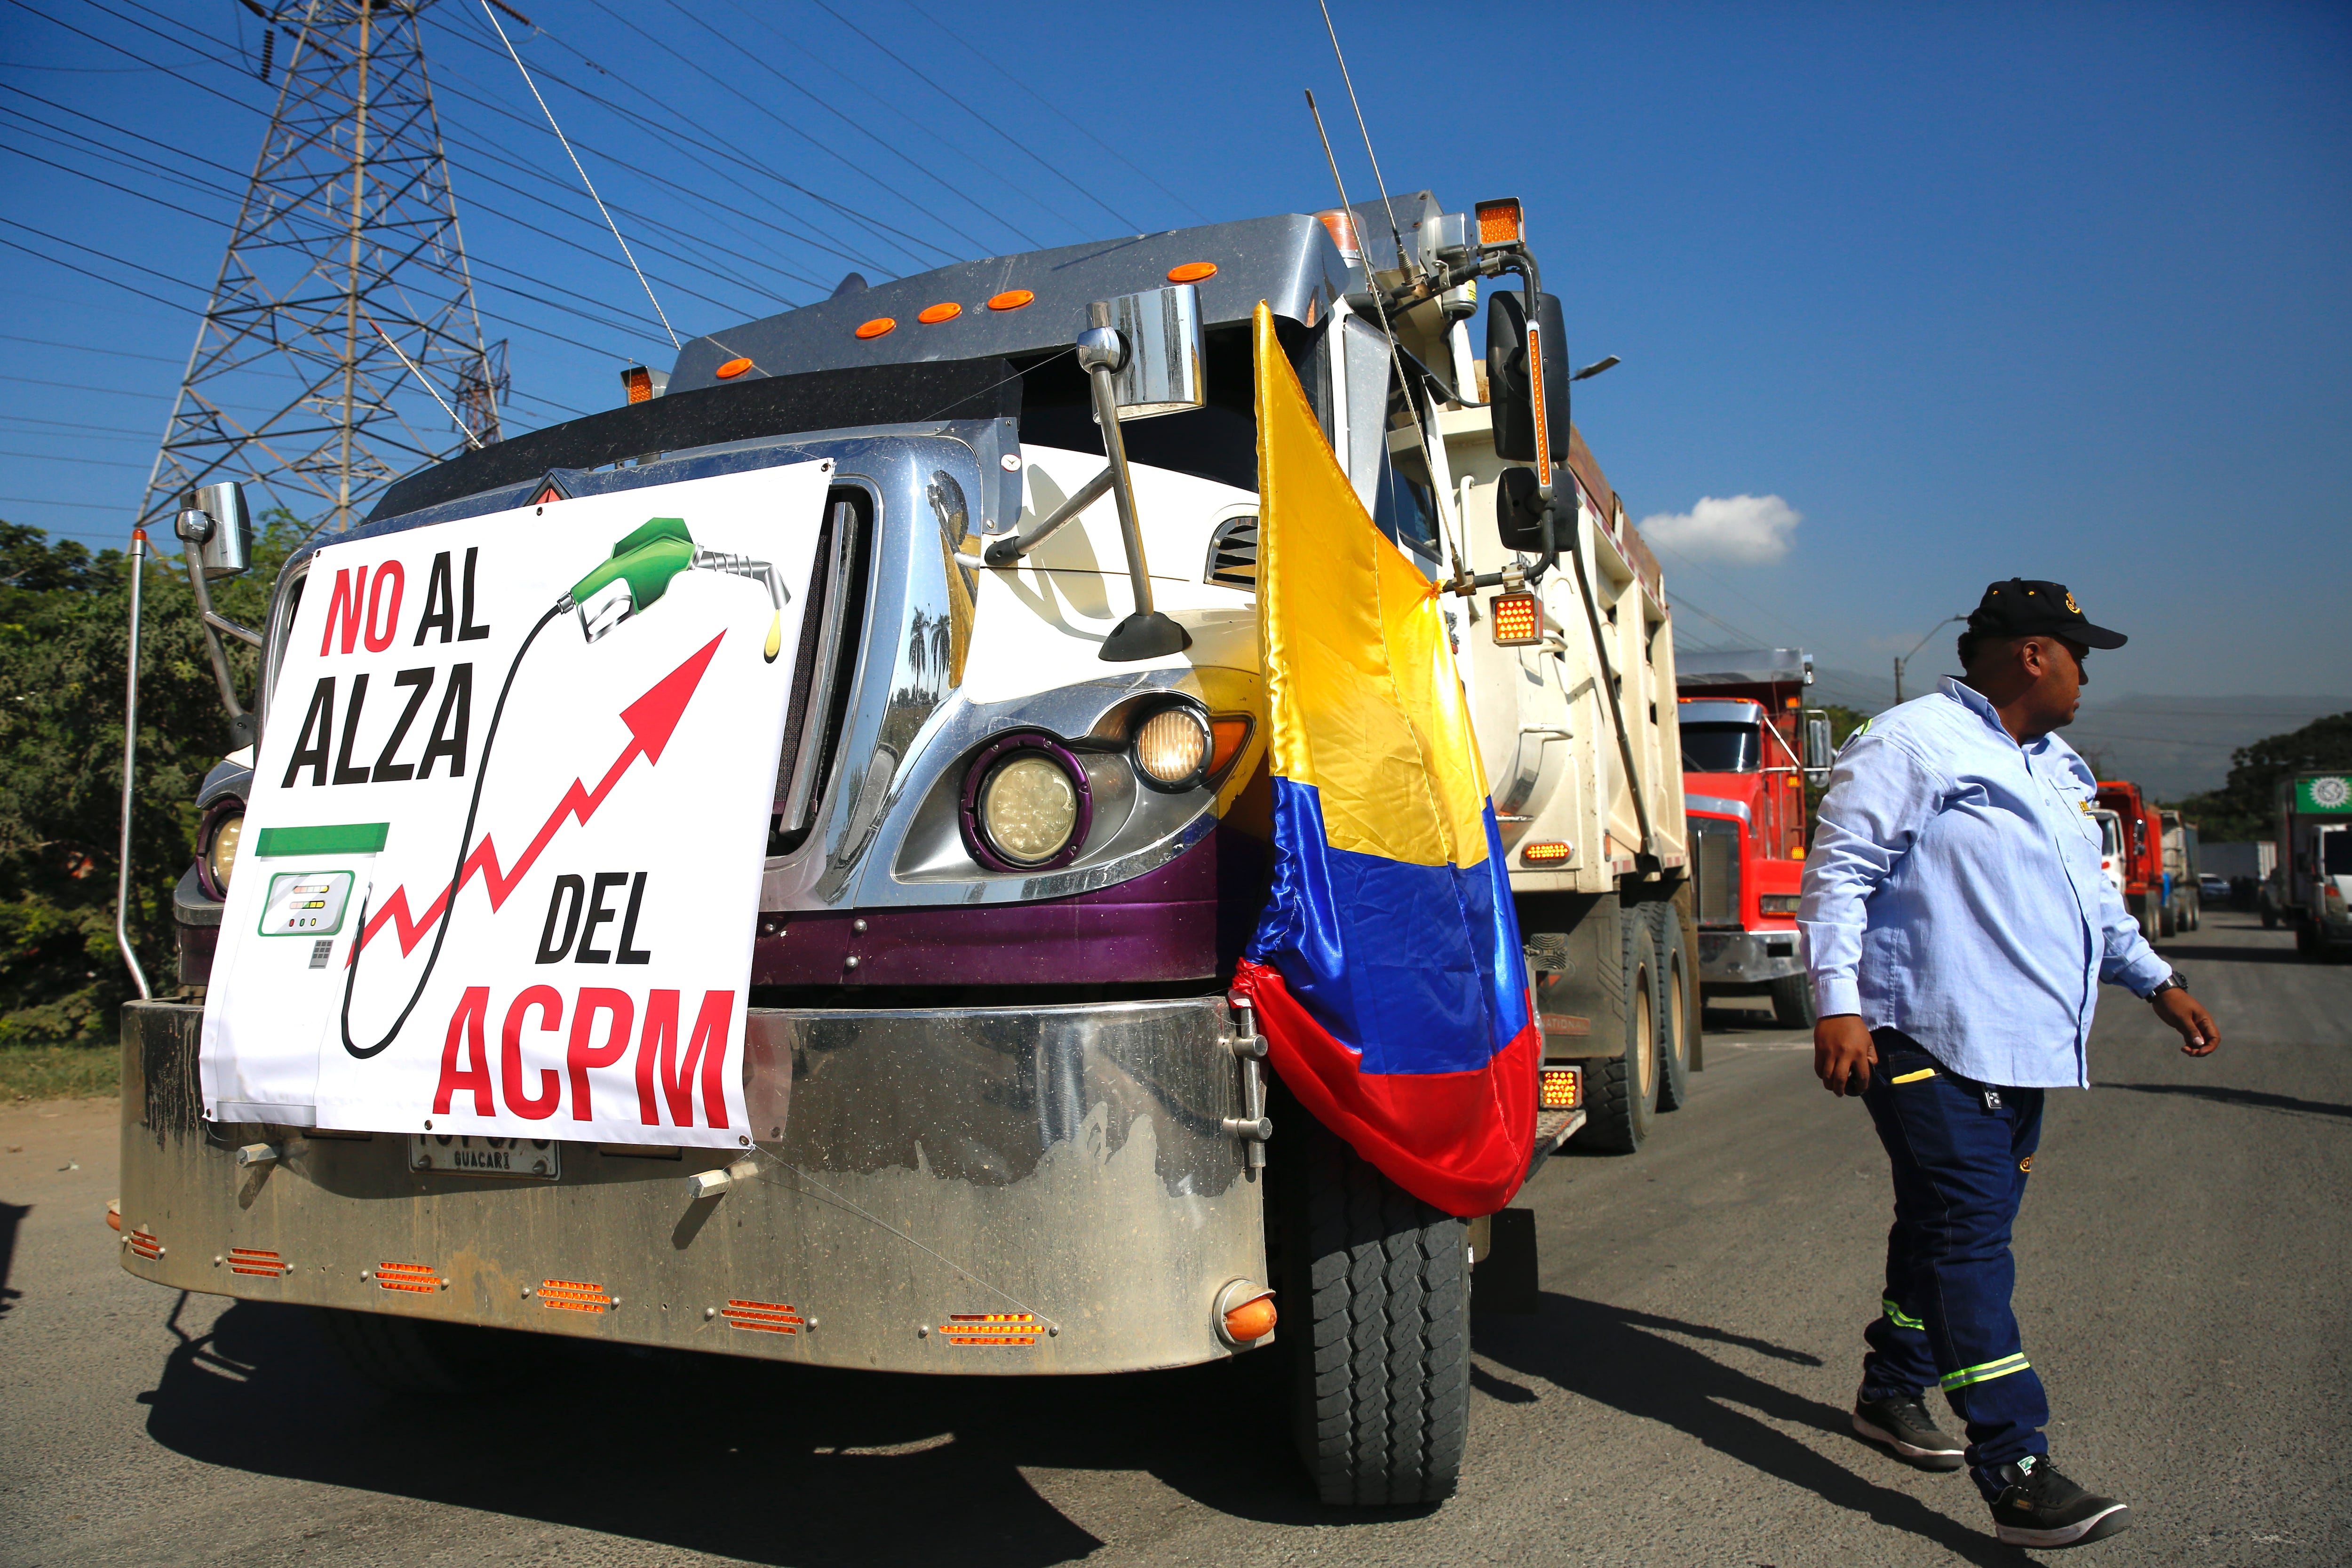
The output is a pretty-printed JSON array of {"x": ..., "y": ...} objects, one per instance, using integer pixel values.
[
  {"x": 640, "y": 384},
  {"x": 731, "y": 370},
  {"x": 1010, "y": 299},
  {"x": 1516, "y": 617},
  {"x": 877, "y": 326},
  {"x": 1193, "y": 272},
  {"x": 945, "y": 310},
  {"x": 1500, "y": 222},
  {"x": 1546, "y": 853},
  {"x": 1340, "y": 225}
]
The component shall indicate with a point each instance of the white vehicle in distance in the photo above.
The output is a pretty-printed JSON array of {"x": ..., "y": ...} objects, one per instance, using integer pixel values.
[{"x": 2111, "y": 847}]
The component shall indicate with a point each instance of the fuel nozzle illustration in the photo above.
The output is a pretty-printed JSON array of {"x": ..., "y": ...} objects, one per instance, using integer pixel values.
[{"x": 641, "y": 568}]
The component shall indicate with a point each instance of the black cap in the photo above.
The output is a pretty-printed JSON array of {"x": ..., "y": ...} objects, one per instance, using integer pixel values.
[{"x": 2024, "y": 607}]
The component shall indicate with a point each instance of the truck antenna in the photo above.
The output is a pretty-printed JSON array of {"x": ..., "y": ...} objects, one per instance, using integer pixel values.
[
  {"x": 1396, "y": 355},
  {"x": 585, "y": 180},
  {"x": 1378, "y": 183}
]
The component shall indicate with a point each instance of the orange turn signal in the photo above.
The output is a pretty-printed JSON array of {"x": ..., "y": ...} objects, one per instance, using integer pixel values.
[
  {"x": 877, "y": 326},
  {"x": 946, "y": 311},
  {"x": 1250, "y": 1320},
  {"x": 1010, "y": 299},
  {"x": 1500, "y": 222},
  {"x": 727, "y": 372},
  {"x": 1193, "y": 272},
  {"x": 1562, "y": 1090},
  {"x": 1546, "y": 853},
  {"x": 1518, "y": 619},
  {"x": 1228, "y": 733}
]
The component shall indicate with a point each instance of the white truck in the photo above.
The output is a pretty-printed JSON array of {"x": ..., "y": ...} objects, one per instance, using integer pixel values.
[
  {"x": 2311, "y": 882},
  {"x": 1007, "y": 1119}
]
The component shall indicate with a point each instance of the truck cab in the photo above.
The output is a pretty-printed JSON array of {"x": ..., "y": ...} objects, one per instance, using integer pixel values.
[
  {"x": 2111, "y": 847},
  {"x": 1005, "y": 1116},
  {"x": 1744, "y": 774},
  {"x": 2311, "y": 887}
]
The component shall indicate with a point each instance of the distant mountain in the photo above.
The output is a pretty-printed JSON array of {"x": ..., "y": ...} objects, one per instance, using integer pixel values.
[{"x": 2171, "y": 746}]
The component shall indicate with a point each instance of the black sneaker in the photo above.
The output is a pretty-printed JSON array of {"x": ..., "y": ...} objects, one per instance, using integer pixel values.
[
  {"x": 1902, "y": 1423},
  {"x": 2038, "y": 1507}
]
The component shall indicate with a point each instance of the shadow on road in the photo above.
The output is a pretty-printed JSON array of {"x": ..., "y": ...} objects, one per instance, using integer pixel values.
[
  {"x": 737, "y": 1459},
  {"x": 2256, "y": 1098},
  {"x": 1633, "y": 1362}
]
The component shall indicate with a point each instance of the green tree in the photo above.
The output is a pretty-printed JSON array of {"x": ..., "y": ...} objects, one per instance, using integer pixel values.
[
  {"x": 64, "y": 625},
  {"x": 2245, "y": 808}
]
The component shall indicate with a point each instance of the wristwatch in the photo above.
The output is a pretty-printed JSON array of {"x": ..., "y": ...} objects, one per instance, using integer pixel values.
[{"x": 2172, "y": 981}]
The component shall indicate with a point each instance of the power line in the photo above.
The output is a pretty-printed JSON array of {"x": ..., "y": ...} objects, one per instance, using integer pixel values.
[{"x": 59, "y": 457}]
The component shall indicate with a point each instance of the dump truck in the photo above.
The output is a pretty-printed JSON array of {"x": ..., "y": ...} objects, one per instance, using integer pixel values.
[
  {"x": 1749, "y": 745},
  {"x": 2311, "y": 881},
  {"x": 969, "y": 786},
  {"x": 2146, "y": 891},
  {"x": 2183, "y": 904}
]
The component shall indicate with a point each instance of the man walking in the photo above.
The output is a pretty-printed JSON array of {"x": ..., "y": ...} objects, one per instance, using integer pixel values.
[{"x": 1957, "y": 925}]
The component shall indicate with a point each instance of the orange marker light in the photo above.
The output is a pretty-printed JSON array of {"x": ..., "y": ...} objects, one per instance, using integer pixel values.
[
  {"x": 932, "y": 315},
  {"x": 1501, "y": 222},
  {"x": 1559, "y": 1091},
  {"x": 1228, "y": 733},
  {"x": 877, "y": 326},
  {"x": 1193, "y": 272},
  {"x": 727, "y": 372},
  {"x": 1340, "y": 225},
  {"x": 638, "y": 383},
  {"x": 1251, "y": 1321},
  {"x": 1010, "y": 299},
  {"x": 1550, "y": 854},
  {"x": 1518, "y": 619}
]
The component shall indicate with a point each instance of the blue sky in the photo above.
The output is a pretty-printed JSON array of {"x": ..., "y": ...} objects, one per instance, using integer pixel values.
[{"x": 1976, "y": 290}]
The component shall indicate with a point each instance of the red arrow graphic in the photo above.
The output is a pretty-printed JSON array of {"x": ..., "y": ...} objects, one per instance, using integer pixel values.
[{"x": 651, "y": 719}]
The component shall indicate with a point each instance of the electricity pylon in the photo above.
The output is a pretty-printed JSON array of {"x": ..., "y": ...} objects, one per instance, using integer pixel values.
[{"x": 347, "y": 236}]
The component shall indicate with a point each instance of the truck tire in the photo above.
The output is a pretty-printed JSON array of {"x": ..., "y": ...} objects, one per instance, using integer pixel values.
[
  {"x": 1621, "y": 1091},
  {"x": 2167, "y": 922},
  {"x": 1378, "y": 1325},
  {"x": 1677, "y": 1010},
  {"x": 1793, "y": 1002},
  {"x": 413, "y": 1356},
  {"x": 2269, "y": 918}
]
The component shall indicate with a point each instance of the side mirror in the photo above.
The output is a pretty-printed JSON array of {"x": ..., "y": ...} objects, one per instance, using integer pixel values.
[
  {"x": 1518, "y": 510},
  {"x": 213, "y": 523},
  {"x": 1817, "y": 753},
  {"x": 1510, "y": 386},
  {"x": 1165, "y": 369}
]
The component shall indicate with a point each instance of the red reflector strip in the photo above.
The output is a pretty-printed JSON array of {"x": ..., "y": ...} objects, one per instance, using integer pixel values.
[
  {"x": 762, "y": 1317},
  {"x": 1563, "y": 1089},
  {"x": 146, "y": 1243},
  {"x": 417, "y": 1278},
  {"x": 254, "y": 1262},
  {"x": 573, "y": 1296},
  {"x": 990, "y": 1329}
]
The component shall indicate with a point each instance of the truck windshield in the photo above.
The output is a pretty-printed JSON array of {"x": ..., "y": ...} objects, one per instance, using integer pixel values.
[
  {"x": 1722, "y": 748},
  {"x": 2335, "y": 852},
  {"x": 2111, "y": 838}
]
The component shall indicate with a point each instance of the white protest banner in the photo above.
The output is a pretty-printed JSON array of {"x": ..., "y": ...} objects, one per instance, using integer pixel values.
[{"x": 501, "y": 866}]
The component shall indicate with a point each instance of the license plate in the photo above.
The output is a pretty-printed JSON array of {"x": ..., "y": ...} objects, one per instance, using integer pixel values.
[{"x": 462, "y": 1155}]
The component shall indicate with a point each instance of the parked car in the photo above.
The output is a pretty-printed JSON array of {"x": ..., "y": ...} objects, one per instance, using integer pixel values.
[{"x": 2214, "y": 890}]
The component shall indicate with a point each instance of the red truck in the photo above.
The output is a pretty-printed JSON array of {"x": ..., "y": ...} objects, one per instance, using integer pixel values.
[
  {"x": 1748, "y": 743},
  {"x": 2147, "y": 887}
]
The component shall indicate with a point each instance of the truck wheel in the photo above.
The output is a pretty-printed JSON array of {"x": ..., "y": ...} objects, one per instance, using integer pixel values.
[
  {"x": 1378, "y": 1325},
  {"x": 2269, "y": 918},
  {"x": 2166, "y": 921},
  {"x": 1793, "y": 1002},
  {"x": 1678, "y": 1011},
  {"x": 407, "y": 1355},
  {"x": 1622, "y": 1094}
]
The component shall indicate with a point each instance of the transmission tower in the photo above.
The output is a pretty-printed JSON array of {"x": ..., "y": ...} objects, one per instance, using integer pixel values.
[{"x": 348, "y": 236}]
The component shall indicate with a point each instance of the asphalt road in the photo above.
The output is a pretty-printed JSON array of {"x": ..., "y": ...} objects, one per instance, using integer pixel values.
[{"x": 1681, "y": 1397}]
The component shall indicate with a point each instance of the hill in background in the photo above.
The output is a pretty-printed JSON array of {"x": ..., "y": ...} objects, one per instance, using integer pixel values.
[{"x": 2171, "y": 746}]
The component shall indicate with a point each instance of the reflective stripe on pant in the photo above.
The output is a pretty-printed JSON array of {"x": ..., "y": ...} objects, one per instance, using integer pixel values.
[{"x": 1960, "y": 1168}]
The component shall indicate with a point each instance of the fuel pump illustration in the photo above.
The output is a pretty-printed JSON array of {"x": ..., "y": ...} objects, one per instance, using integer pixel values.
[
  {"x": 627, "y": 583},
  {"x": 642, "y": 567}
]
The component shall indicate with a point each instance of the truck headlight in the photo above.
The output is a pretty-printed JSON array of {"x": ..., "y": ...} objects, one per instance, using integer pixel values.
[
  {"x": 1172, "y": 748},
  {"x": 219, "y": 850},
  {"x": 1026, "y": 805}
]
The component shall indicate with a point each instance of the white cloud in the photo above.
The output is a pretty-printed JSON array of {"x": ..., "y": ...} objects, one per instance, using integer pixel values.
[{"x": 1748, "y": 531}]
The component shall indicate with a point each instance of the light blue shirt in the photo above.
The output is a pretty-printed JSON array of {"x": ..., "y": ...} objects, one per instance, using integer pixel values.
[{"x": 1954, "y": 892}]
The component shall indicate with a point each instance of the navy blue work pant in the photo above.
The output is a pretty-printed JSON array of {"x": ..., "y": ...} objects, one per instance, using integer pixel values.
[{"x": 1961, "y": 1152}]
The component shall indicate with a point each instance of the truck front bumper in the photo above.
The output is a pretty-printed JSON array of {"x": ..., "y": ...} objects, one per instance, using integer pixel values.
[
  {"x": 976, "y": 1190},
  {"x": 1746, "y": 958}
]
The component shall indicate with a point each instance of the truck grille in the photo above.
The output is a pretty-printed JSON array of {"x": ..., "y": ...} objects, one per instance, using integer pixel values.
[{"x": 1715, "y": 870}]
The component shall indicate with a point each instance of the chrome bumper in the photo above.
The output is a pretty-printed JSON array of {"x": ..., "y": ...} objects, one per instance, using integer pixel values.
[
  {"x": 1740, "y": 957},
  {"x": 941, "y": 1175}
]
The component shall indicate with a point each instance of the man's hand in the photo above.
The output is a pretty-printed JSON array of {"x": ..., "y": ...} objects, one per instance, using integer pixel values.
[
  {"x": 2176, "y": 1007},
  {"x": 1842, "y": 1052}
]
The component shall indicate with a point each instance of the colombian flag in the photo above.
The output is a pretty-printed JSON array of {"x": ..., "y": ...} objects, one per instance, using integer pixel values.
[{"x": 1386, "y": 971}]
